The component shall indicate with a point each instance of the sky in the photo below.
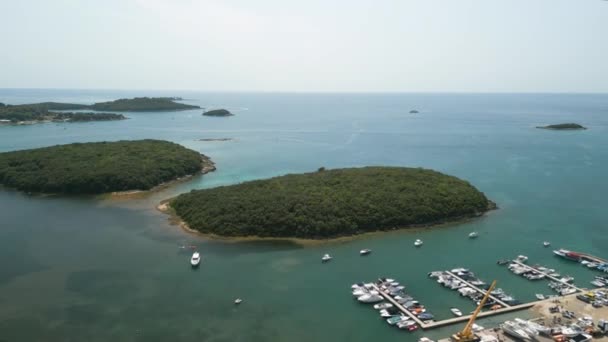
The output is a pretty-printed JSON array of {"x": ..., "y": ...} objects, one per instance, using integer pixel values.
[{"x": 306, "y": 45}]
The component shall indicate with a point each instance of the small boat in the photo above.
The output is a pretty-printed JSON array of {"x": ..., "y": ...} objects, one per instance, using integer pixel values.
[
  {"x": 365, "y": 251},
  {"x": 326, "y": 258},
  {"x": 383, "y": 306},
  {"x": 456, "y": 312},
  {"x": 370, "y": 298},
  {"x": 195, "y": 260},
  {"x": 473, "y": 235},
  {"x": 540, "y": 296},
  {"x": 418, "y": 243},
  {"x": 396, "y": 319},
  {"x": 522, "y": 258},
  {"x": 238, "y": 301},
  {"x": 546, "y": 243}
]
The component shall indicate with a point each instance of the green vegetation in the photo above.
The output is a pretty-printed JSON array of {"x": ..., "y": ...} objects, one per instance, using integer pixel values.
[
  {"x": 39, "y": 112},
  {"x": 331, "y": 203},
  {"x": 100, "y": 167},
  {"x": 143, "y": 104},
  {"x": 563, "y": 126},
  {"x": 218, "y": 112}
]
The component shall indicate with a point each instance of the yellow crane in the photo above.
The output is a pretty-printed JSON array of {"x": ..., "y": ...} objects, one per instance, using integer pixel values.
[{"x": 467, "y": 335}]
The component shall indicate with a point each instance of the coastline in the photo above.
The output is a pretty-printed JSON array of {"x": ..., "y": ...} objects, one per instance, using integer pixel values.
[
  {"x": 207, "y": 165},
  {"x": 174, "y": 219}
]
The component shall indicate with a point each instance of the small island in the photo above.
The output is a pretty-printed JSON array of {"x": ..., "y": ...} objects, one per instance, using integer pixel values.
[
  {"x": 218, "y": 112},
  {"x": 330, "y": 203},
  {"x": 563, "y": 126},
  {"x": 143, "y": 104},
  {"x": 99, "y": 167},
  {"x": 413, "y": 111},
  {"x": 41, "y": 112}
]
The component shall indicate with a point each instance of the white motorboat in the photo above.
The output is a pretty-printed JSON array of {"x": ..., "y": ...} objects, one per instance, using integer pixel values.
[
  {"x": 195, "y": 260},
  {"x": 546, "y": 243},
  {"x": 473, "y": 235},
  {"x": 477, "y": 327},
  {"x": 360, "y": 292},
  {"x": 370, "y": 298},
  {"x": 425, "y": 339},
  {"x": 238, "y": 301},
  {"x": 540, "y": 296},
  {"x": 365, "y": 251},
  {"x": 522, "y": 258},
  {"x": 405, "y": 324},
  {"x": 567, "y": 291},
  {"x": 326, "y": 258},
  {"x": 383, "y": 306},
  {"x": 456, "y": 312},
  {"x": 513, "y": 329},
  {"x": 418, "y": 243}
]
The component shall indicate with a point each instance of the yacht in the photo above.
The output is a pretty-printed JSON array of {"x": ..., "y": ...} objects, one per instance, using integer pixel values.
[
  {"x": 564, "y": 253},
  {"x": 522, "y": 258},
  {"x": 396, "y": 319},
  {"x": 456, "y": 312},
  {"x": 238, "y": 301},
  {"x": 365, "y": 251},
  {"x": 540, "y": 296},
  {"x": 514, "y": 330},
  {"x": 195, "y": 260},
  {"x": 370, "y": 298},
  {"x": 326, "y": 258},
  {"x": 546, "y": 243},
  {"x": 418, "y": 243},
  {"x": 473, "y": 235}
]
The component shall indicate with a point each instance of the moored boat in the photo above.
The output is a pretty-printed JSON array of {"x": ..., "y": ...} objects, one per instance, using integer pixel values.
[
  {"x": 326, "y": 258},
  {"x": 365, "y": 251},
  {"x": 546, "y": 243},
  {"x": 473, "y": 235},
  {"x": 418, "y": 243},
  {"x": 456, "y": 312}
]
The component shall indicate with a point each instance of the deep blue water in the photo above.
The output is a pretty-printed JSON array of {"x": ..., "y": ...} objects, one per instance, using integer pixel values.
[{"x": 74, "y": 269}]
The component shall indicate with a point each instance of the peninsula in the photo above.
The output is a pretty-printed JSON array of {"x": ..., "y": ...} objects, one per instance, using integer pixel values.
[
  {"x": 331, "y": 203},
  {"x": 563, "y": 126},
  {"x": 40, "y": 112},
  {"x": 99, "y": 167},
  {"x": 218, "y": 112}
]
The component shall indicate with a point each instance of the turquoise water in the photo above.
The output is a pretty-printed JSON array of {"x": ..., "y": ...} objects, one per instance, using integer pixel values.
[{"x": 81, "y": 268}]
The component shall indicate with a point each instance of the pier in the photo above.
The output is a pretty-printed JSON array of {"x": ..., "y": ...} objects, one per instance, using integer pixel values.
[
  {"x": 504, "y": 305},
  {"x": 449, "y": 321},
  {"x": 548, "y": 276}
]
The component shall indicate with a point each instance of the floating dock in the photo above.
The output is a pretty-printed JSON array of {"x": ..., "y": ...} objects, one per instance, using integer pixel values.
[{"x": 449, "y": 321}]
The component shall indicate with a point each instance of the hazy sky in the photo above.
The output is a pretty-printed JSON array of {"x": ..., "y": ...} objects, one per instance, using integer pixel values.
[{"x": 307, "y": 45}]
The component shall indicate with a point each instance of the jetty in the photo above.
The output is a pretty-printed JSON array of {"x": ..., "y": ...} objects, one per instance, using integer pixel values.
[
  {"x": 504, "y": 305},
  {"x": 530, "y": 268},
  {"x": 425, "y": 325}
]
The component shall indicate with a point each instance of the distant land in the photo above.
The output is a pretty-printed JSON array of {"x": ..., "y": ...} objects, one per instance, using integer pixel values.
[
  {"x": 46, "y": 111},
  {"x": 413, "y": 111},
  {"x": 99, "y": 167},
  {"x": 218, "y": 112},
  {"x": 143, "y": 104},
  {"x": 563, "y": 126},
  {"x": 40, "y": 112},
  {"x": 330, "y": 203}
]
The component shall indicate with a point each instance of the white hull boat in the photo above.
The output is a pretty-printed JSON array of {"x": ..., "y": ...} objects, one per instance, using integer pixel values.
[
  {"x": 473, "y": 235},
  {"x": 370, "y": 298},
  {"x": 418, "y": 243},
  {"x": 326, "y": 258},
  {"x": 383, "y": 306},
  {"x": 365, "y": 251},
  {"x": 195, "y": 260},
  {"x": 456, "y": 312}
]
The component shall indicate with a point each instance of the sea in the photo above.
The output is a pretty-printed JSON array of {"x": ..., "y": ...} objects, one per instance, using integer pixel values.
[{"x": 90, "y": 268}]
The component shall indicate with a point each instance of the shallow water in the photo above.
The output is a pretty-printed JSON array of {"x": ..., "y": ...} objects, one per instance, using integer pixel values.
[{"x": 81, "y": 268}]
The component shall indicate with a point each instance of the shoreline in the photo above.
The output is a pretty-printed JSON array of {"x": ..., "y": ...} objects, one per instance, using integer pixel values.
[
  {"x": 207, "y": 166},
  {"x": 175, "y": 220}
]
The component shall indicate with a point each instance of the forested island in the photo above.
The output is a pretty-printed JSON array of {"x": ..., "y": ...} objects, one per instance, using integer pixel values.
[
  {"x": 563, "y": 126},
  {"x": 218, "y": 112},
  {"x": 99, "y": 167},
  {"x": 331, "y": 203},
  {"x": 40, "y": 112},
  {"x": 143, "y": 104}
]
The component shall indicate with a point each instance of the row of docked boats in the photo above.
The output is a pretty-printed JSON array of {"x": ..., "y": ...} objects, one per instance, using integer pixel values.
[{"x": 375, "y": 293}]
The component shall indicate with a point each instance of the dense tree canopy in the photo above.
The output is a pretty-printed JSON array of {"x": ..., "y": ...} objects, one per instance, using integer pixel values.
[
  {"x": 40, "y": 112},
  {"x": 563, "y": 126},
  {"x": 142, "y": 104},
  {"x": 330, "y": 203},
  {"x": 218, "y": 112},
  {"x": 98, "y": 167}
]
